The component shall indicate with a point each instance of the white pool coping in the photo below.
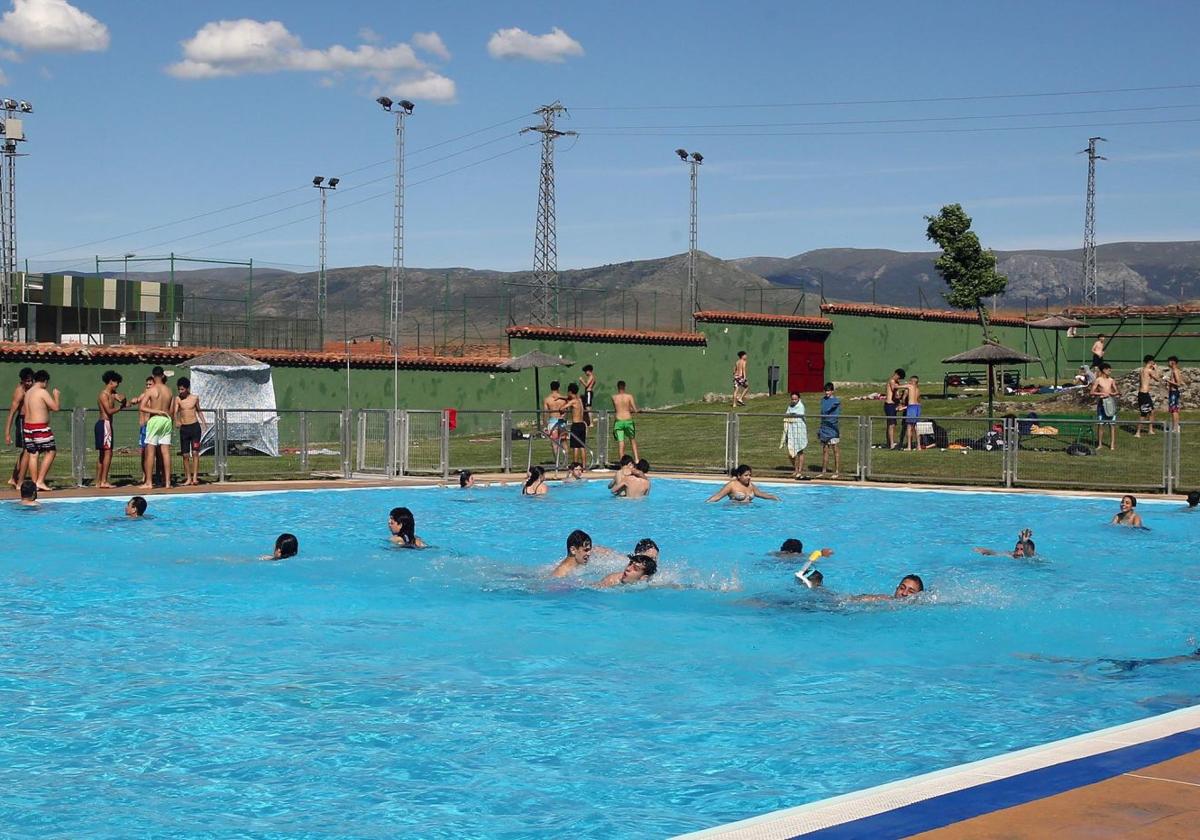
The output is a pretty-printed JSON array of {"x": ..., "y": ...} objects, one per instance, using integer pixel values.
[{"x": 826, "y": 813}]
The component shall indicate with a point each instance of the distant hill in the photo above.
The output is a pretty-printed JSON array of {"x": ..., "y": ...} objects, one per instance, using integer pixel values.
[{"x": 464, "y": 305}]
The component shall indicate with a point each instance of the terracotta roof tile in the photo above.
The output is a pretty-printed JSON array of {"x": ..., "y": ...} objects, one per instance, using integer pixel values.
[
  {"x": 606, "y": 335},
  {"x": 128, "y": 353},
  {"x": 764, "y": 320},
  {"x": 952, "y": 316},
  {"x": 1169, "y": 311}
]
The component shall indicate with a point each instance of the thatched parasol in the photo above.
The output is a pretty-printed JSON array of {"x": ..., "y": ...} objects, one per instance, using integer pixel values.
[
  {"x": 1056, "y": 323},
  {"x": 991, "y": 354},
  {"x": 535, "y": 359}
]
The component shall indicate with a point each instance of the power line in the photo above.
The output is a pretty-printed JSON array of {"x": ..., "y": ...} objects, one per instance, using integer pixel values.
[
  {"x": 977, "y": 130},
  {"x": 364, "y": 200},
  {"x": 270, "y": 196},
  {"x": 895, "y": 119},
  {"x": 972, "y": 98}
]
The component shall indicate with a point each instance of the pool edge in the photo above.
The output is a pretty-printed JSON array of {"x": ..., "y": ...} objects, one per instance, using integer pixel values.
[{"x": 826, "y": 816}]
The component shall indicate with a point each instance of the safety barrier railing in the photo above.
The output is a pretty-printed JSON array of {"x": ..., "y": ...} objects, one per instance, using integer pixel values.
[
  {"x": 938, "y": 449},
  {"x": 1064, "y": 452},
  {"x": 265, "y": 444},
  {"x": 766, "y": 441}
]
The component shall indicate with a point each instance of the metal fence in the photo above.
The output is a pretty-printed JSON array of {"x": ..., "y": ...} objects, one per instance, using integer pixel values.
[{"x": 1008, "y": 452}]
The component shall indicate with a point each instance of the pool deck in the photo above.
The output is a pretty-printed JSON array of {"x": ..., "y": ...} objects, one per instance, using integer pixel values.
[{"x": 1139, "y": 780}]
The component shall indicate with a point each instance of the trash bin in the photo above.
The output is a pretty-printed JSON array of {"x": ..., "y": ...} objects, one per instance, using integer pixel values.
[{"x": 772, "y": 379}]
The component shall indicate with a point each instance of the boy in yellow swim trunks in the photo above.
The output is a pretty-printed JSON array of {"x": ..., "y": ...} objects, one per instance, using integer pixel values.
[{"x": 624, "y": 406}]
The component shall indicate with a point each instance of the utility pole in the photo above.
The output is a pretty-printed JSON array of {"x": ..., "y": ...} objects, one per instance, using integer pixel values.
[
  {"x": 1090, "y": 284},
  {"x": 322, "y": 285},
  {"x": 545, "y": 241},
  {"x": 13, "y": 133},
  {"x": 693, "y": 160}
]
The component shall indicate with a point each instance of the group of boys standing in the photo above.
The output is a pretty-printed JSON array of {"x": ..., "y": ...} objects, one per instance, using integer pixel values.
[
  {"x": 569, "y": 416},
  {"x": 159, "y": 411},
  {"x": 1104, "y": 388}
]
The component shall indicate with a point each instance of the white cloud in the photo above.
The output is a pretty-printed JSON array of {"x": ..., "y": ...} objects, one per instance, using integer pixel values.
[
  {"x": 432, "y": 87},
  {"x": 236, "y": 47},
  {"x": 514, "y": 42},
  {"x": 9, "y": 55},
  {"x": 432, "y": 43},
  {"x": 52, "y": 25},
  {"x": 369, "y": 36},
  {"x": 240, "y": 47}
]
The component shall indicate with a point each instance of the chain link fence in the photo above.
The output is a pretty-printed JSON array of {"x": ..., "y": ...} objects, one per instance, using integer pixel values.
[{"x": 1012, "y": 452}]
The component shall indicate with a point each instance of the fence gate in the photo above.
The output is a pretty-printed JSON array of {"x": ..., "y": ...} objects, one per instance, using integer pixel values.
[{"x": 372, "y": 441}]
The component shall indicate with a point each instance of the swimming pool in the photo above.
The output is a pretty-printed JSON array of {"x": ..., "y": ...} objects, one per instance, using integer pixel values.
[{"x": 156, "y": 681}]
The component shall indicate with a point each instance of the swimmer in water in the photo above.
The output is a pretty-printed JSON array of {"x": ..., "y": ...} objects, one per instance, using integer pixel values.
[
  {"x": 640, "y": 567},
  {"x": 1193, "y": 499},
  {"x": 29, "y": 491},
  {"x": 286, "y": 545},
  {"x": 1131, "y": 664},
  {"x": 579, "y": 551},
  {"x": 909, "y": 586},
  {"x": 809, "y": 576},
  {"x": 741, "y": 488},
  {"x": 535, "y": 483},
  {"x": 1023, "y": 548},
  {"x": 466, "y": 479},
  {"x": 403, "y": 526},
  {"x": 135, "y": 508},
  {"x": 574, "y": 473},
  {"x": 1128, "y": 515},
  {"x": 647, "y": 547}
]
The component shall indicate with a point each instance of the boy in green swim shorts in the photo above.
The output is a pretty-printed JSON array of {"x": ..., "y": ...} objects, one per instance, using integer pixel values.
[
  {"x": 159, "y": 403},
  {"x": 624, "y": 406}
]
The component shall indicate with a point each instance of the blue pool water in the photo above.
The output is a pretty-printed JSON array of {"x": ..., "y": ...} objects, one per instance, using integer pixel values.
[{"x": 157, "y": 681}]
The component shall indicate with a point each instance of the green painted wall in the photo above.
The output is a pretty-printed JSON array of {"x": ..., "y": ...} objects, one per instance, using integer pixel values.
[
  {"x": 1132, "y": 340},
  {"x": 660, "y": 375},
  {"x": 868, "y": 349}
]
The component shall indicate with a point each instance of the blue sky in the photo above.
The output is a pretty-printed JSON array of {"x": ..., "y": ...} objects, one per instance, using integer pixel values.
[{"x": 149, "y": 113}]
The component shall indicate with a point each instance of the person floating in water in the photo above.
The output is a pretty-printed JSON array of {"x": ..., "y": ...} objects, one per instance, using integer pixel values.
[
  {"x": 535, "y": 482},
  {"x": 1132, "y": 664},
  {"x": 810, "y": 577},
  {"x": 741, "y": 488},
  {"x": 1193, "y": 499},
  {"x": 286, "y": 545},
  {"x": 135, "y": 508},
  {"x": 1023, "y": 548},
  {"x": 640, "y": 567},
  {"x": 579, "y": 551},
  {"x": 909, "y": 586},
  {"x": 1128, "y": 514},
  {"x": 403, "y": 526}
]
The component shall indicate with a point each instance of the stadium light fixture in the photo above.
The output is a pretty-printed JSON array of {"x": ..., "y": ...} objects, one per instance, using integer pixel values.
[
  {"x": 385, "y": 103},
  {"x": 317, "y": 180},
  {"x": 333, "y": 182}
]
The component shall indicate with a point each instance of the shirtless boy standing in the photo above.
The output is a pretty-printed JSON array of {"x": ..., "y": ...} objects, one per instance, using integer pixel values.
[
  {"x": 158, "y": 403},
  {"x": 110, "y": 403},
  {"x": 1174, "y": 380},
  {"x": 1098, "y": 352},
  {"x": 553, "y": 407},
  {"x": 624, "y": 406},
  {"x": 39, "y": 437},
  {"x": 190, "y": 419},
  {"x": 1104, "y": 389},
  {"x": 912, "y": 413},
  {"x": 741, "y": 385},
  {"x": 588, "y": 382},
  {"x": 578, "y": 426},
  {"x": 16, "y": 411},
  {"x": 891, "y": 399},
  {"x": 1145, "y": 401}
]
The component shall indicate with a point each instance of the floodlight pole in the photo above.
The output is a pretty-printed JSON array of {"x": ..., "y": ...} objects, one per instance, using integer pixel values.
[
  {"x": 401, "y": 109},
  {"x": 693, "y": 159},
  {"x": 322, "y": 284},
  {"x": 13, "y": 133},
  {"x": 1091, "y": 286}
]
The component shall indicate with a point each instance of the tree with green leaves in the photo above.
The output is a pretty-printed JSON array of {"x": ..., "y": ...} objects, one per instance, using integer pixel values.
[{"x": 965, "y": 265}]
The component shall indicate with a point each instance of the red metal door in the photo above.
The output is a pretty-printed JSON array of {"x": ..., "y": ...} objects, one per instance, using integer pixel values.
[{"x": 806, "y": 361}]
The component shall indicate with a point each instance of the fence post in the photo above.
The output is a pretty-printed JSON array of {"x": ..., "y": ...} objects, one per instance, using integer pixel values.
[
  {"x": 1170, "y": 463},
  {"x": 221, "y": 445},
  {"x": 78, "y": 444},
  {"x": 304, "y": 441},
  {"x": 1011, "y": 441},
  {"x": 445, "y": 444},
  {"x": 346, "y": 421},
  {"x": 864, "y": 448},
  {"x": 402, "y": 437},
  {"x": 389, "y": 444},
  {"x": 506, "y": 441},
  {"x": 360, "y": 460},
  {"x": 602, "y": 432},
  {"x": 732, "y": 435}
]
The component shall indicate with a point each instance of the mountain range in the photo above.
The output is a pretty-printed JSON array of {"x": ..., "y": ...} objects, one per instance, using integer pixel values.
[{"x": 465, "y": 305}]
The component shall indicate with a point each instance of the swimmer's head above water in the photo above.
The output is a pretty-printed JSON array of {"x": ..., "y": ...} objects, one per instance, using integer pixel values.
[
  {"x": 466, "y": 479},
  {"x": 1193, "y": 498},
  {"x": 579, "y": 546},
  {"x": 791, "y": 546},
  {"x": 286, "y": 545},
  {"x": 640, "y": 567},
  {"x": 909, "y": 585},
  {"x": 135, "y": 508},
  {"x": 647, "y": 547}
]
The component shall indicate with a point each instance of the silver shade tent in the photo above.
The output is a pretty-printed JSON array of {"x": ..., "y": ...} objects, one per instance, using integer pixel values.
[{"x": 242, "y": 386}]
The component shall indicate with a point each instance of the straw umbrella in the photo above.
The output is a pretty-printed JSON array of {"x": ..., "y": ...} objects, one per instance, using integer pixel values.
[
  {"x": 1056, "y": 323},
  {"x": 535, "y": 359},
  {"x": 991, "y": 354}
]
